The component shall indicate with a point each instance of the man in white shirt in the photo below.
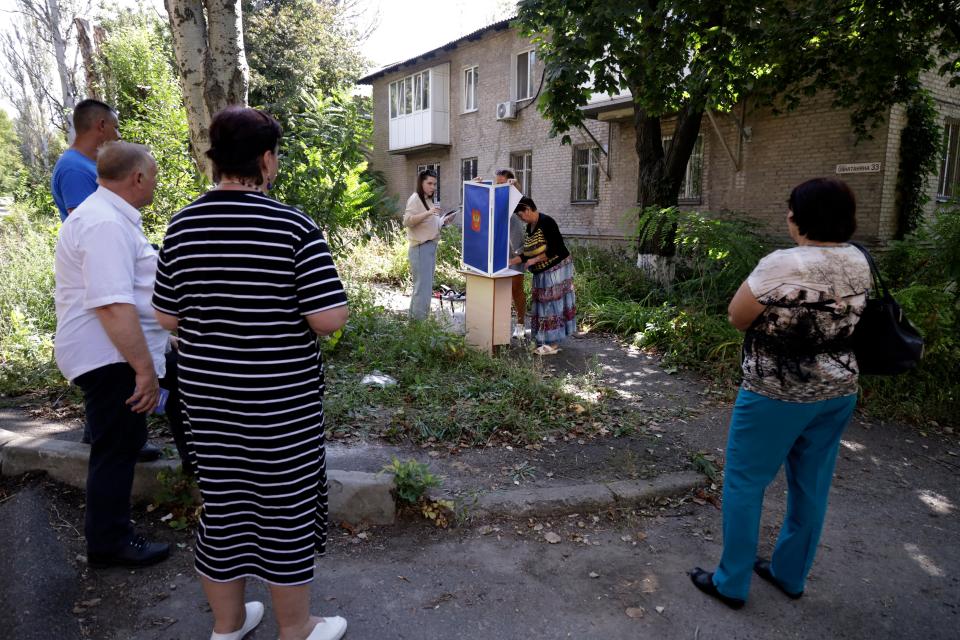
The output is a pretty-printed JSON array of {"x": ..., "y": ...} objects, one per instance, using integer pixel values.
[{"x": 109, "y": 343}]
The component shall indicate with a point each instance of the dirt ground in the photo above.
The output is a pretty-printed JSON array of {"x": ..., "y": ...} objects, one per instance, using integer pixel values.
[{"x": 887, "y": 565}]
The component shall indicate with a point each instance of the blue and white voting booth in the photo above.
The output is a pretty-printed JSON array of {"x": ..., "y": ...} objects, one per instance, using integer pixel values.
[{"x": 487, "y": 209}]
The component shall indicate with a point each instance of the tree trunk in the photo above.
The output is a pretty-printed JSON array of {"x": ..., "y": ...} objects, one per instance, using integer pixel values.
[
  {"x": 89, "y": 44},
  {"x": 188, "y": 25},
  {"x": 208, "y": 46},
  {"x": 661, "y": 173},
  {"x": 67, "y": 88},
  {"x": 225, "y": 64}
]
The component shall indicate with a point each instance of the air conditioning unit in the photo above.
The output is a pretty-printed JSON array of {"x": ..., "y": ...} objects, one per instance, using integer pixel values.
[{"x": 506, "y": 110}]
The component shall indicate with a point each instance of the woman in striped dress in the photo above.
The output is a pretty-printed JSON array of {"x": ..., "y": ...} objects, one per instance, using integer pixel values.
[{"x": 248, "y": 283}]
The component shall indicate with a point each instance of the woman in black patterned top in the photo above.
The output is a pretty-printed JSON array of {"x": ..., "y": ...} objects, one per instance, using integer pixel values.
[
  {"x": 248, "y": 282},
  {"x": 553, "y": 315},
  {"x": 798, "y": 308}
]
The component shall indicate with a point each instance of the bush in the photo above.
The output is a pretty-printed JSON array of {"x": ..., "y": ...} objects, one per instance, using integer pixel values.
[
  {"x": 28, "y": 318},
  {"x": 382, "y": 258},
  {"x": 923, "y": 270},
  {"x": 687, "y": 324}
]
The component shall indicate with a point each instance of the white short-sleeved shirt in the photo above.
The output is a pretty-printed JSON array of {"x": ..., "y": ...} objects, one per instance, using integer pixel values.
[
  {"x": 103, "y": 258},
  {"x": 798, "y": 349}
]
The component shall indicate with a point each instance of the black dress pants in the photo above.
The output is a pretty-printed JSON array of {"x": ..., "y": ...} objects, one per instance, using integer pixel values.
[{"x": 116, "y": 436}]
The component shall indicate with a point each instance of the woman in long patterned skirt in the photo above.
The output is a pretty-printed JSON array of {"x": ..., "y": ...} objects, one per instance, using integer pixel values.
[
  {"x": 248, "y": 282},
  {"x": 553, "y": 315}
]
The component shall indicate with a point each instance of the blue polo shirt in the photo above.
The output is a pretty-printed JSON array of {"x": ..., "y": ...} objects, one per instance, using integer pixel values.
[{"x": 74, "y": 178}]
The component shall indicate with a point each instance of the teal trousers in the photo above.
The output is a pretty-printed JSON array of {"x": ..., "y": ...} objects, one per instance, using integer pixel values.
[{"x": 765, "y": 434}]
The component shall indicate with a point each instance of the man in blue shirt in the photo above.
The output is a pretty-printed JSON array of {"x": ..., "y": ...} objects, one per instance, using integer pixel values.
[
  {"x": 75, "y": 177},
  {"x": 75, "y": 174}
]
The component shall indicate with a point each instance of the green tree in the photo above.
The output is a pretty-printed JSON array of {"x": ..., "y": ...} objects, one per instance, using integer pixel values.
[
  {"x": 680, "y": 58},
  {"x": 11, "y": 162},
  {"x": 140, "y": 81},
  {"x": 324, "y": 166},
  {"x": 299, "y": 45}
]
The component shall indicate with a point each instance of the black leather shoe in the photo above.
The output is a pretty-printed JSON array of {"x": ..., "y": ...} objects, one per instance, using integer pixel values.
[
  {"x": 703, "y": 580},
  {"x": 762, "y": 568},
  {"x": 149, "y": 453},
  {"x": 136, "y": 553}
]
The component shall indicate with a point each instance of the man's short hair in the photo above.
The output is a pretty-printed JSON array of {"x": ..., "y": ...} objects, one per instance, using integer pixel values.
[
  {"x": 506, "y": 173},
  {"x": 117, "y": 160},
  {"x": 88, "y": 112}
]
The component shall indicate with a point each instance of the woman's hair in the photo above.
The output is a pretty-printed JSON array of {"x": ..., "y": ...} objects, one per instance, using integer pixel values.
[
  {"x": 824, "y": 209},
  {"x": 525, "y": 203},
  {"x": 423, "y": 175},
  {"x": 506, "y": 173},
  {"x": 238, "y": 137}
]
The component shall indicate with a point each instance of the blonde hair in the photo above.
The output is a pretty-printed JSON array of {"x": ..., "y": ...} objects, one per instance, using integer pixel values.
[{"x": 117, "y": 160}]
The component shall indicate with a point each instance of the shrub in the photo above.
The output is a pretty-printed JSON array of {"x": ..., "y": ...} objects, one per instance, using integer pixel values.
[{"x": 27, "y": 315}]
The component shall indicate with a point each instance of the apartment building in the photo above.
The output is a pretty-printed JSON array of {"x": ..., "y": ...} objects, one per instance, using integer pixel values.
[{"x": 469, "y": 107}]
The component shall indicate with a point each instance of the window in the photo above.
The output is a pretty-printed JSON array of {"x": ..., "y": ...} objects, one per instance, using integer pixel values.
[
  {"x": 436, "y": 169},
  {"x": 468, "y": 170},
  {"x": 410, "y": 94},
  {"x": 691, "y": 188},
  {"x": 525, "y": 74},
  {"x": 948, "y": 186},
  {"x": 522, "y": 165},
  {"x": 470, "y": 84},
  {"x": 586, "y": 174}
]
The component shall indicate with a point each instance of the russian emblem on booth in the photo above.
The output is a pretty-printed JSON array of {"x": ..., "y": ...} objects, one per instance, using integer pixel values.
[{"x": 475, "y": 220}]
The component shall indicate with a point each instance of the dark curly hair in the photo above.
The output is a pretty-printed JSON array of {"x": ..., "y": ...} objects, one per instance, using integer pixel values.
[
  {"x": 238, "y": 137},
  {"x": 824, "y": 210}
]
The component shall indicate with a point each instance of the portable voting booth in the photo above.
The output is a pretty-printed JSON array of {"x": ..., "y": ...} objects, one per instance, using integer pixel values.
[{"x": 487, "y": 209}]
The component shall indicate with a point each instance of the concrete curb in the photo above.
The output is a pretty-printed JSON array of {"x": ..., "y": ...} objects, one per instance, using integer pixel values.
[
  {"x": 585, "y": 497},
  {"x": 353, "y": 496}
]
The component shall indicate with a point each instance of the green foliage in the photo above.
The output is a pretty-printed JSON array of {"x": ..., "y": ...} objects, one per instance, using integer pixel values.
[
  {"x": 177, "y": 499},
  {"x": 444, "y": 390},
  {"x": 412, "y": 479},
  {"x": 686, "y": 324},
  {"x": 294, "y": 46},
  {"x": 11, "y": 161},
  {"x": 27, "y": 315},
  {"x": 323, "y": 169},
  {"x": 140, "y": 81},
  {"x": 382, "y": 259},
  {"x": 924, "y": 272},
  {"x": 919, "y": 156}
]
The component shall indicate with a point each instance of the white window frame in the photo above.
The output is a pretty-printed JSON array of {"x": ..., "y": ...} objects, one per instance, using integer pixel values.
[
  {"x": 435, "y": 166},
  {"x": 521, "y": 163},
  {"x": 948, "y": 182},
  {"x": 692, "y": 177},
  {"x": 471, "y": 88},
  {"x": 409, "y": 94},
  {"x": 592, "y": 166},
  {"x": 474, "y": 164},
  {"x": 528, "y": 91}
]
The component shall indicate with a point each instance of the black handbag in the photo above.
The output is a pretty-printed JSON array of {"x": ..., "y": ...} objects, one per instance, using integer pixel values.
[{"x": 884, "y": 341}]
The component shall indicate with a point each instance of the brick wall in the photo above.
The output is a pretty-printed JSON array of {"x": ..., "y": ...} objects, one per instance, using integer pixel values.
[{"x": 783, "y": 151}]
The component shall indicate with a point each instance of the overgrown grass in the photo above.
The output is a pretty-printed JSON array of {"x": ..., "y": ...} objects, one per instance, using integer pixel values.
[
  {"x": 686, "y": 323},
  {"x": 27, "y": 315},
  {"x": 444, "y": 390},
  {"x": 382, "y": 259}
]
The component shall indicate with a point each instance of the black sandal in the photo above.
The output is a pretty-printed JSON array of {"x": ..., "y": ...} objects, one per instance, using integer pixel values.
[
  {"x": 762, "y": 568},
  {"x": 703, "y": 580}
]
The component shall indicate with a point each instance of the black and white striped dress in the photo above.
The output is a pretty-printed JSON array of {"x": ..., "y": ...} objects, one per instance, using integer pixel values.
[{"x": 240, "y": 271}]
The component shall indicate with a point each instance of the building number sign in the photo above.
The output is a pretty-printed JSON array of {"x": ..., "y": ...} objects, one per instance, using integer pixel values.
[{"x": 859, "y": 167}]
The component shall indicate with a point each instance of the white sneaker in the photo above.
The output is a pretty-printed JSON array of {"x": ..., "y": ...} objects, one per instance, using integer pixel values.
[
  {"x": 330, "y": 629},
  {"x": 254, "y": 616}
]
